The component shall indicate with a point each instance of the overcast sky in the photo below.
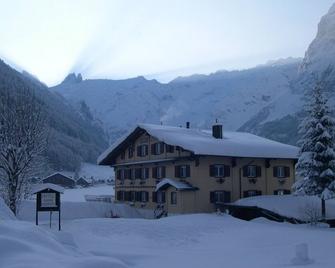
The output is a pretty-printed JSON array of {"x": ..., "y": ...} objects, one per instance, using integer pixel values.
[{"x": 157, "y": 39}]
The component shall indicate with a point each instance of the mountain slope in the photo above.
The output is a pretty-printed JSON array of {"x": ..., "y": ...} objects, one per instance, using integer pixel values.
[
  {"x": 318, "y": 57},
  {"x": 231, "y": 97},
  {"x": 73, "y": 138}
]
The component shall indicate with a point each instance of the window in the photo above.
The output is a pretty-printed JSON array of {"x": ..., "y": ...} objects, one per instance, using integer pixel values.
[
  {"x": 131, "y": 151},
  {"x": 252, "y": 171},
  {"x": 251, "y": 193},
  {"x": 145, "y": 173},
  {"x": 144, "y": 196},
  {"x": 220, "y": 197},
  {"x": 133, "y": 196},
  {"x": 182, "y": 171},
  {"x": 121, "y": 174},
  {"x": 282, "y": 192},
  {"x": 169, "y": 148},
  {"x": 173, "y": 199},
  {"x": 121, "y": 195},
  {"x": 142, "y": 150},
  {"x": 158, "y": 172},
  {"x": 281, "y": 172},
  {"x": 157, "y": 148},
  {"x": 219, "y": 171},
  {"x": 160, "y": 197}
]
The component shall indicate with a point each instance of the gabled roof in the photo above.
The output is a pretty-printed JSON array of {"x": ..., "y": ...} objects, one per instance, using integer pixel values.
[
  {"x": 59, "y": 173},
  {"x": 40, "y": 187},
  {"x": 201, "y": 142},
  {"x": 179, "y": 185}
]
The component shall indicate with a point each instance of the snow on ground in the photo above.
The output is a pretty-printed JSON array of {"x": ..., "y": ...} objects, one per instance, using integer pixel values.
[
  {"x": 290, "y": 205},
  {"x": 199, "y": 240},
  {"x": 78, "y": 194},
  {"x": 5, "y": 212}
]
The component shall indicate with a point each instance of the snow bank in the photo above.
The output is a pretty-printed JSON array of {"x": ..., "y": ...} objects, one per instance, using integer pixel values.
[
  {"x": 5, "y": 212},
  {"x": 25, "y": 245},
  {"x": 290, "y": 205}
]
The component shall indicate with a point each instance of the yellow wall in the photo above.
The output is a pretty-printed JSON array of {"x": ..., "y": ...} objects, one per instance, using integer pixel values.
[{"x": 199, "y": 201}]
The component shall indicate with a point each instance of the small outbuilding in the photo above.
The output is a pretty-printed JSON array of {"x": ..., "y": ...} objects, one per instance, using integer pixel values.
[
  {"x": 84, "y": 182},
  {"x": 60, "y": 179}
]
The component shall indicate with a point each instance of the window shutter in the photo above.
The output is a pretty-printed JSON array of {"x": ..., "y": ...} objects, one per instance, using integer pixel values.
[
  {"x": 212, "y": 171},
  {"x": 146, "y": 149},
  {"x": 287, "y": 172},
  {"x": 154, "y": 197},
  {"x": 245, "y": 171},
  {"x": 188, "y": 171},
  {"x": 275, "y": 171},
  {"x": 118, "y": 195},
  {"x": 226, "y": 197},
  {"x": 163, "y": 172},
  {"x": 226, "y": 171},
  {"x": 146, "y": 196},
  {"x": 211, "y": 197},
  {"x": 138, "y": 150},
  {"x": 177, "y": 171},
  {"x": 258, "y": 171},
  {"x": 153, "y": 148},
  {"x": 146, "y": 173},
  {"x": 163, "y": 197},
  {"x": 154, "y": 172},
  {"x": 162, "y": 147}
]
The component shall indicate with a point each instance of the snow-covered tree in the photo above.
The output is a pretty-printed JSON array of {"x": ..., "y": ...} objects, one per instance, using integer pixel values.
[
  {"x": 23, "y": 134},
  {"x": 316, "y": 164}
]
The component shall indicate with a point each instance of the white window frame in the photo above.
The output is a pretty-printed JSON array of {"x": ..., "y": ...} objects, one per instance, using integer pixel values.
[
  {"x": 219, "y": 171},
  {"x": 280, "y": 192},
  {"x": 143, "y": 197},
  {"x": 158, "y": 148},
  {"x": 219, "y": 197},
  {"x": 159, "y": 172},
  {"x": 143, "y": 151},
  {"x": 183, "y": 171},
  {"x": 280, "y": 172},
  {"x": 143, "y": 174},
  {"x": 252, "y": 171}
]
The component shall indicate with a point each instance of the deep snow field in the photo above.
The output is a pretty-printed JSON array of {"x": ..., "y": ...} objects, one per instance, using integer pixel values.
[
  {"x": 202, "y": 240},
  {"x": 89, "y": 240}
]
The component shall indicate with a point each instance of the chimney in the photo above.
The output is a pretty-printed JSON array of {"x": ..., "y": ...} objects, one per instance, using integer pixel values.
[
  {"x": 217, "y": 130},
  {"x": 187, "y": 124}
]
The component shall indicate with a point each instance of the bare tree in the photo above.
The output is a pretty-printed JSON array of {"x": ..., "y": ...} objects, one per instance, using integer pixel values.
[{"x": 23, "y": 136}]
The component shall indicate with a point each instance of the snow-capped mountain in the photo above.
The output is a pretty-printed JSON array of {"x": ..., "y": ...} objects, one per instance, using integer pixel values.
[
  {"x": 265, "y": 100},
  {"x": 232, "y": 97}
]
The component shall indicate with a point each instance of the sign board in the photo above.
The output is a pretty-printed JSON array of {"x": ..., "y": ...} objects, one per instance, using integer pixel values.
[{"x": 48, "y": 200}]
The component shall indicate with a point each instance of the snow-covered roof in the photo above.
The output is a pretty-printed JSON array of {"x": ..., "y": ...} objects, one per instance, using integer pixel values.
[
  {"x": 179, "y": 185},
  {"x": 63, "y": 173},
  {"x": 43, "y": 186},
  {"x": 201, "y": 142}
]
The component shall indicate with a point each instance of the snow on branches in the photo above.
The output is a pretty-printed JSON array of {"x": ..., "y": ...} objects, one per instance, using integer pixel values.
[{"x": 316, "y": 164}]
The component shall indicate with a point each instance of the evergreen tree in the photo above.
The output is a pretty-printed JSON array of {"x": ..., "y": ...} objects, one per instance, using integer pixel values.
[{"x": 316, "y": 164}]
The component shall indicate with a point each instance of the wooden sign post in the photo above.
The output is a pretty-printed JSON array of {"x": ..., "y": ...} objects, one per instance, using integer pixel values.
[{"x": 48, "y": 199}]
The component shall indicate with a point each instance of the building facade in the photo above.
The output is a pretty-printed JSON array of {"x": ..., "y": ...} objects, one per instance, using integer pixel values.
[{"x": 189, "y": 171}]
